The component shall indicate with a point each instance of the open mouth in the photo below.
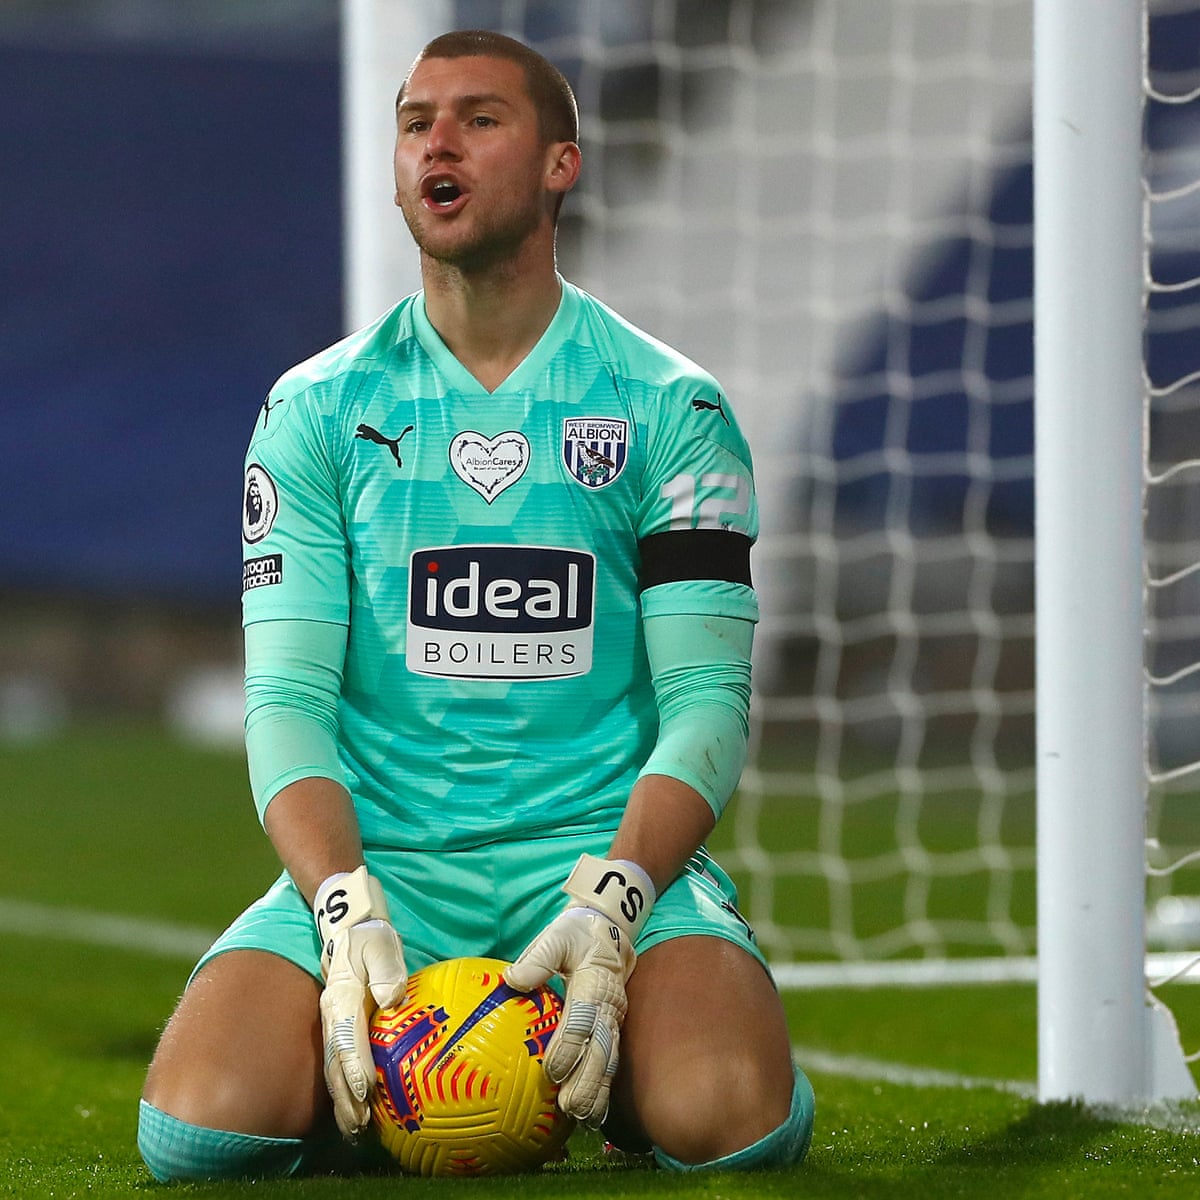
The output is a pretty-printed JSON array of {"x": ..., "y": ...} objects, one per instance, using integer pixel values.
[{"x": 444, "y": 193}]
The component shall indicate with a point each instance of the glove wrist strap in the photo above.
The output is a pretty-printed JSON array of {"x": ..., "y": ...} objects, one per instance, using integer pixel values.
[
  {"x": 343, "y": 900},
  {"x": 619, "y": 889}
]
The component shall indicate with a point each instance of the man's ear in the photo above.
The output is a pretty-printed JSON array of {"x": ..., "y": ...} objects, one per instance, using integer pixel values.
[{"x": 563, "y": 160}]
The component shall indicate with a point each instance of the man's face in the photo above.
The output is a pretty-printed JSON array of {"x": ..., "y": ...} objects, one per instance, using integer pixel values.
[{"x": 471, "y": 168}]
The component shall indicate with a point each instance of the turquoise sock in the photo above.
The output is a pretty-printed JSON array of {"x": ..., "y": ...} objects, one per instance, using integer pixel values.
[
  {"x": 785, "y": 1146},
  {"x": 176, "y": 1151}
]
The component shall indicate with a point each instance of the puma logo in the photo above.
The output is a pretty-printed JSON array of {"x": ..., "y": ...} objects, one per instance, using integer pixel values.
[
  {"x": 267, "y": 406},
  {"x": 700, "y": 405},
  {"x": 370, "y": 434}
]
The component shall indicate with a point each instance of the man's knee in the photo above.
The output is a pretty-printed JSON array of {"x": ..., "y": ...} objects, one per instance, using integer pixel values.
[
  {"x": 784, "y": 1146},
  {"x": 701, "y": 1099},
  {"x": 227, "y": 1063}
]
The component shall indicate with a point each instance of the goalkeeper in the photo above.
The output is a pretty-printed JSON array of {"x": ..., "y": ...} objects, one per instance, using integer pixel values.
[{"x": 498, "y": 617}]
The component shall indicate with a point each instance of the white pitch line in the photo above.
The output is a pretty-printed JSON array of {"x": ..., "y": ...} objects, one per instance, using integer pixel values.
[
  {"x": 1174, "y": 1117},
  {"x": 853, "y": 1066},
  {"x": 904, "y": 973},
  {"x": 1176, "y": 966},
  {"x": 160, "y": 939},
  {"x": 1171, "y": 1116}
]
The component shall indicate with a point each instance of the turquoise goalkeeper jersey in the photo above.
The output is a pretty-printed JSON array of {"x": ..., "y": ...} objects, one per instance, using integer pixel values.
[{"x": 494, "y": 555}]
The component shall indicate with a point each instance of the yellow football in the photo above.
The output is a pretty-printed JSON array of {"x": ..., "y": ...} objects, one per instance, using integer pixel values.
[{"x": 458, "y": 1064}]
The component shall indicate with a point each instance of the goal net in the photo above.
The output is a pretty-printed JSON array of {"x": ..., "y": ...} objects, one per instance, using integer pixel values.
[
  {"x": 829, "y": 206},
  {"x": 1171, "y": 177}
]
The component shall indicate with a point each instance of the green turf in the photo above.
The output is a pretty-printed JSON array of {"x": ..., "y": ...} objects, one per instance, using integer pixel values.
[{"x": 143, "y": 827}]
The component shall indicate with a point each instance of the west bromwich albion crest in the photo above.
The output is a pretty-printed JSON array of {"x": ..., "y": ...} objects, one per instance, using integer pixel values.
[{"x": 595, "y": 449}]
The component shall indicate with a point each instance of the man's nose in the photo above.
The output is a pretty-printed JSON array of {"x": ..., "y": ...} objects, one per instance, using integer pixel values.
[{"x": 443, "y": 140}]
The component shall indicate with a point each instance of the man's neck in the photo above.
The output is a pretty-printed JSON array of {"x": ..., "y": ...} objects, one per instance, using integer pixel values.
[{"x": 492, "y": 319}]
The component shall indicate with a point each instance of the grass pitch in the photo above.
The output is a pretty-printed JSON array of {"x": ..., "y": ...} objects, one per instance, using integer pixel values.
[{"x": 911, "y": 1095}]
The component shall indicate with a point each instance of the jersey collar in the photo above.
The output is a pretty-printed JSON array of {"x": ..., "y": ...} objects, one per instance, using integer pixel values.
[{"x": 526, "y": 372}]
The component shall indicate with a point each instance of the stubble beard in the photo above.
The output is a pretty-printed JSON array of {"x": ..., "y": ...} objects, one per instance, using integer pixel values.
[{"x": 495, "y": 241}]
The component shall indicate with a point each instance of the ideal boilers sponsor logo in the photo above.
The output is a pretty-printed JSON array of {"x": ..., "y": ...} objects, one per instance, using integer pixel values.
[{"x": 501, "y": 612}]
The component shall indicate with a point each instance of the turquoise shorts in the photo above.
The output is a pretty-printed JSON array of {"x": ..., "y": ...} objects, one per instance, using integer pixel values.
[{"x": 488, "y": 901}]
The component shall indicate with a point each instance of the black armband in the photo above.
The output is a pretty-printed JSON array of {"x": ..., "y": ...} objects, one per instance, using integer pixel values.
[{"x": 683, "y": 554}]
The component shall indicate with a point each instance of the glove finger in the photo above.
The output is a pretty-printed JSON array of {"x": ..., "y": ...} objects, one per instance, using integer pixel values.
[
  {"x": 362, "y": 1062},
  {"x": 567, "y": 1047},
  {"x": 585, "y": 1093},
  {"x": 349, "y": 1065},
  {"x": 344, "y": 1022},
  {"x": 383, "y": 965},
  {"x": 350, "y": 1113},
  {"x": 540, "y": 960}
]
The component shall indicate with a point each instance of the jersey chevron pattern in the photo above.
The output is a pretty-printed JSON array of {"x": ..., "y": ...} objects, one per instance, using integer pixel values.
[{"x": 493, "y": 555}]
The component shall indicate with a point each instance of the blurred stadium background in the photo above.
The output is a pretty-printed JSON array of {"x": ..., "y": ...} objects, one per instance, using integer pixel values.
[
  {"x": 171, "y": 239},
  {"x": 826, "y": 202}
]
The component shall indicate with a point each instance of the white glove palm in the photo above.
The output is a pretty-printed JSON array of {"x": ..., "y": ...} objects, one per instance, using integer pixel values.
[
  {"x": 595, "y": 958},
  {"x": 362, "y": 961},
  {"x": 591, "y": 947}
]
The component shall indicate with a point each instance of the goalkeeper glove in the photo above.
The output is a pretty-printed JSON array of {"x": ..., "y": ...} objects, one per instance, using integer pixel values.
[
  {"x": 590, "y": 945},
  {"x": 363, "y": 965}
]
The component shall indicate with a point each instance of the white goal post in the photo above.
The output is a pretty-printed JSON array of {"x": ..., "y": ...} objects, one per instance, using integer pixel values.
[
  {"x": 380, "y": 38},
  {"x": 1099, "y": 1040}
]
